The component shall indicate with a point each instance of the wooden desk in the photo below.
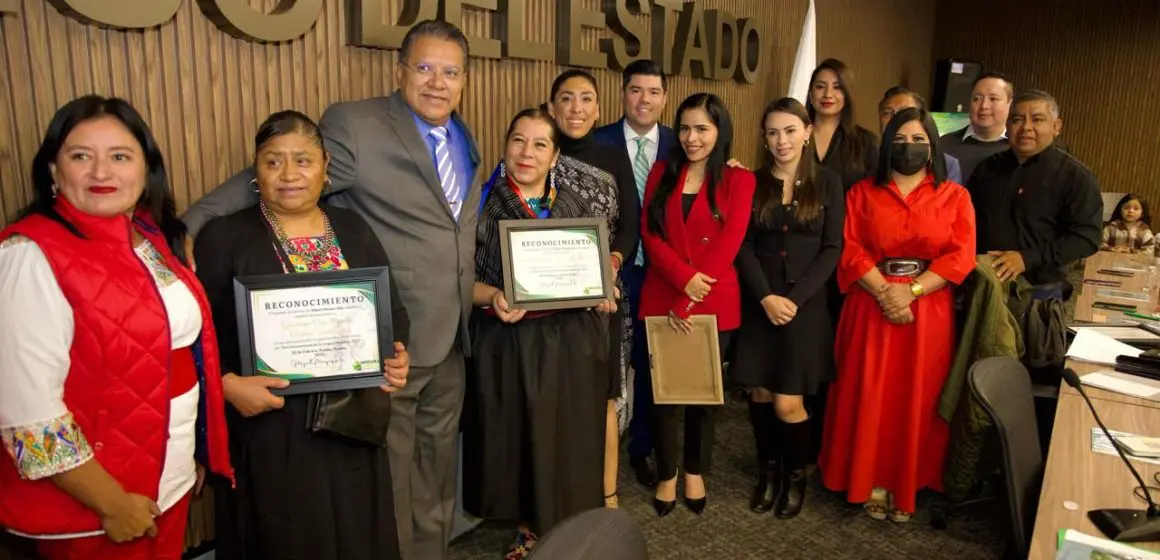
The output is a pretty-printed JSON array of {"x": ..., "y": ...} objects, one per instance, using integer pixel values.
[
  {"x": 1081, "y": 369},
  {"x": 1091, "y": 480}
]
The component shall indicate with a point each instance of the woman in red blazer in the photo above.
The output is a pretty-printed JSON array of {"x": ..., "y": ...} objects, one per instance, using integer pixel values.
[{"x": 696, "y": 210}]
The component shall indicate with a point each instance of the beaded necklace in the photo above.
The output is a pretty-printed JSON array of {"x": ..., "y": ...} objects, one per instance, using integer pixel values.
[{"x": 319, "y": 251}]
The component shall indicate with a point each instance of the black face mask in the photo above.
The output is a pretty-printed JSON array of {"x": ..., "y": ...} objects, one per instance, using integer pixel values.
[{"x": 907, "y": 158}]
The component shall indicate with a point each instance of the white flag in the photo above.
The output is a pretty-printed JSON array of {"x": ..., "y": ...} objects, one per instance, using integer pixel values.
[{"x": 806, "y": 59}]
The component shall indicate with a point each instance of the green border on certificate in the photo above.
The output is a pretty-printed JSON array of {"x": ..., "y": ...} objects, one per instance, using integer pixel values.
[{"x": 556, "y": 263}]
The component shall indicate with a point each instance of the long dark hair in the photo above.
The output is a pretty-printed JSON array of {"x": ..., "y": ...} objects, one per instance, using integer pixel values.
[
  {"x": 809, "y": 203},
  {"x": 1145, "y": 215},
  {"x": 851, "y": 147},
  {"x": 938, "y": 163},
  {"x": 677, "y": 159},
  {"x": 157, "y": 198}
]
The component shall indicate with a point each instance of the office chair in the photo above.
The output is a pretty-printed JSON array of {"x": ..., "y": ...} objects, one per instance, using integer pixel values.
[
  {"x": 1004, "y": 389},
  {"x": 598, "y": 534}
]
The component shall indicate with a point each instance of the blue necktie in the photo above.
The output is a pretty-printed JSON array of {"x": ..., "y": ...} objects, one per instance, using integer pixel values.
[{"x": 446, "y": 170}]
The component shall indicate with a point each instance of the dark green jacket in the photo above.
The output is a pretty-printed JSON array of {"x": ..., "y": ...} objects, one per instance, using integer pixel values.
[{"x": 987, "y": 328}]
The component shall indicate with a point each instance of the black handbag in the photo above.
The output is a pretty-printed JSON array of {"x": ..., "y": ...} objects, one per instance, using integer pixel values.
[{"x": 360, "y": 414}]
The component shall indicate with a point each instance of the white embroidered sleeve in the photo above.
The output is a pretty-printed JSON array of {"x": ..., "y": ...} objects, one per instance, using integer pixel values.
[{"x": 36, "y": 330}]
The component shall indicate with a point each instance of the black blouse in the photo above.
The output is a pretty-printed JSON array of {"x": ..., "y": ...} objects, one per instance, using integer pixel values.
[
  {"x": 806, "y": 253},
  {"x": 241, "y": 244},
  {"x": 614, "y": 161},
  {"x": 849, "y": 172}
]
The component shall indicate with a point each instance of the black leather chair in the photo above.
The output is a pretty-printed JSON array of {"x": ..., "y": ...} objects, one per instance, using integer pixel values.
[
  {"x": 1003, "y": 386},
  {"x": 598, "y": 534}
]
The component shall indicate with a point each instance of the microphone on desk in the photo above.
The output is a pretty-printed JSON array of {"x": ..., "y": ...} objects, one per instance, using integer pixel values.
[{"x": 1124, "y": 525}]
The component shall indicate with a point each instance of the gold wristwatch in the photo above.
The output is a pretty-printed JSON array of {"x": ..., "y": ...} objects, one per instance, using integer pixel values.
[{"x": 916, "y": 289}]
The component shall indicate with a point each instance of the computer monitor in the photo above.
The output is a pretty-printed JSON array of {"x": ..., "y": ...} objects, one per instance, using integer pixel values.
[{"x": 950, "y": 122}]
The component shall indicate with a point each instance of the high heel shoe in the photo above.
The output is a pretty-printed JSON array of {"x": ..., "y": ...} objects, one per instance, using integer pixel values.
[
  {"x": 696, "y": 505},
  {"x": 664, "y": 508},
  {"x": 793, "y": 494}
]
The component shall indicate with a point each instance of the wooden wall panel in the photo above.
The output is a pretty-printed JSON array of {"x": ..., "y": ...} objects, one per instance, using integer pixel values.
[
  {"x": 204, "y": 92},
  {"x": 1101, "y": 60}
]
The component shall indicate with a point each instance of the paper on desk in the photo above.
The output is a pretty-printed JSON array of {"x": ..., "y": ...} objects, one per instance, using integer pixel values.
[
  {"x": 1096, "y": 348},
  {"x": 1123, "y": 383},
  {"x": 1100, "y": 444}
]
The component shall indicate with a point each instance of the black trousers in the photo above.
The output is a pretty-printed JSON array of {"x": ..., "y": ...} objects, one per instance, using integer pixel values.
[{"x": 699, "y": 422}]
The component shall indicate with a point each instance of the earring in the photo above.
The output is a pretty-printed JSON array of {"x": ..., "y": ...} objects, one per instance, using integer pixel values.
[
  {"x": 327, "y": 184},
  {"x": 552, "y": 178},
  {"x": 254, "y": 185},
  {"x": 502, "y": 170},
  {"x": 55, "y": 190},
  {"x": 807, "y": 143}
]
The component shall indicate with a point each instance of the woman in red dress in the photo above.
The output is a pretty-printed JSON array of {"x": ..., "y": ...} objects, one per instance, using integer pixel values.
[{"x": 909, "y": 233}]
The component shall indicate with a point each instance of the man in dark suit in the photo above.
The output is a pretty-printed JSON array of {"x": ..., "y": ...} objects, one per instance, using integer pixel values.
[
  {"x": 645, "y": 140},
  {"x": 408, "y": 164}
]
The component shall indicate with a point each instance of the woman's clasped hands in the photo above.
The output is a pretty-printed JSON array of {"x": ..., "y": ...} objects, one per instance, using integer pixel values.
[{"x": 895, "y": 299}]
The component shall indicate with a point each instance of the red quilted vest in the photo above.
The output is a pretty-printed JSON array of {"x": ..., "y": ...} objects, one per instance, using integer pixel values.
[{"x": 117, "y": 384}]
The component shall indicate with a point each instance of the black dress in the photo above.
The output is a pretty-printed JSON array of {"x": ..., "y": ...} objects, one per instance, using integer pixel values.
[
  {"x": 625, "y": 228},
  {"x": 786, "y": 257},
  {"x": 300, "y": 494},
  {"x": 535, "y": 412}
]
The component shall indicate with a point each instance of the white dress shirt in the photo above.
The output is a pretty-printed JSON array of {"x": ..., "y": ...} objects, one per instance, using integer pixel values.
[{"x": 654, "y": 142}]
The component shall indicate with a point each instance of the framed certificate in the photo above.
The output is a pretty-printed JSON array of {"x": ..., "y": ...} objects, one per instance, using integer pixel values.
[
  {"x": 686, "y": 368},
  {"x": 322, "y": 331},
  {"x": 555, "y": 263}
]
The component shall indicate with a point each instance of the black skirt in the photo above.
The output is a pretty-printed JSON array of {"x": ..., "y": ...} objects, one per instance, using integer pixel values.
[
  {"x": 302, "y": 495},
  {"x": 792, "y": 359},
  {"x": 534, "y": 417}
]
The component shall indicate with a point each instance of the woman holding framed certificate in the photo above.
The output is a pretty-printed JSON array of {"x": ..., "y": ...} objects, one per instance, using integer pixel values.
[
  {"x": 534, "y": 421},
  {"x": 697, "y": 210},
  {"x": 308, "y": 485}
]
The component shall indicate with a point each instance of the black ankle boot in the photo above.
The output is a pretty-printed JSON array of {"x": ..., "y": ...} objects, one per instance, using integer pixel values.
[
  {"x": 793, "y": 482},
  {"x": 768, "y": 486},
  {"x": 793, "y": 494}
]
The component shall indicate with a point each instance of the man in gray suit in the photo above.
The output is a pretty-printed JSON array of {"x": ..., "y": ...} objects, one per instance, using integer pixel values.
[{"x": 408, "y": 164}]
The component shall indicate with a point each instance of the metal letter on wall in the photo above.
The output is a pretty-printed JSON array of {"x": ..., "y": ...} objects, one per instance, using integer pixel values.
[
  {"x": 486, "y": 47},
  {"x": 694, "y": 53},
  {"x": 9, "y": 6},
  {"x": 664, "y": 30},
  {"x": 629, "y": 31},
  {"x": 722, "y": 28},
  {"x": 368, "y": 25},
  {"x": 290, "y": 20},
  {"x": 749, "y": 51},
  {"x": 571, "y": 18},
  {"x": 510, "y": 22},
  {"x": 123, "y": 14}
]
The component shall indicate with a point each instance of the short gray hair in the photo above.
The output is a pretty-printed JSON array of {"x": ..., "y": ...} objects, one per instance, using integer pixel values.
[
  {"x": 1038, "y": 95},
  {"x": 435, "y": 29}
]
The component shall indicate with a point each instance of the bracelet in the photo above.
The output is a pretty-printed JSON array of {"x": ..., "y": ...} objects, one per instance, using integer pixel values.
[{"x": 916, "y": 289}]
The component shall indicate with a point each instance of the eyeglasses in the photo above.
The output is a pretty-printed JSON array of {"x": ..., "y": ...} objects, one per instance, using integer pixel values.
[{"x": 451, "y": 74}]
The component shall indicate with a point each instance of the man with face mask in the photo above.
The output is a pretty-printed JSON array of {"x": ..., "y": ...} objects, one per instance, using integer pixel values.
[
  {"x": 898, "y": 98},
  {"x": 1038, "y": 209}
]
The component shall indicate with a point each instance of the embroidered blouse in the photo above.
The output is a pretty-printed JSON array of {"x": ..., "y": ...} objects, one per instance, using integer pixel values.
[
  {"x": 37, "y": 429},
  {"x": 304, "y": 258}
]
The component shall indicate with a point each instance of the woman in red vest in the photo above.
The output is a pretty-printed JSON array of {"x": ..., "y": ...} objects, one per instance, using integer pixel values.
[
  {"x": 110, "y": 396},
  {"x": 696, "y": 212}
]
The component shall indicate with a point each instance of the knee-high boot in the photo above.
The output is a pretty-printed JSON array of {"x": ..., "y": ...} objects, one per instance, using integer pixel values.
[
  {"x": 764, "y": 421},
  {"x": 796, "y": 439}
]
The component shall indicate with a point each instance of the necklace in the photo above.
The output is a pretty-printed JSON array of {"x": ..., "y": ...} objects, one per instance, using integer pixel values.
[{"x": 320, "y": 249}]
